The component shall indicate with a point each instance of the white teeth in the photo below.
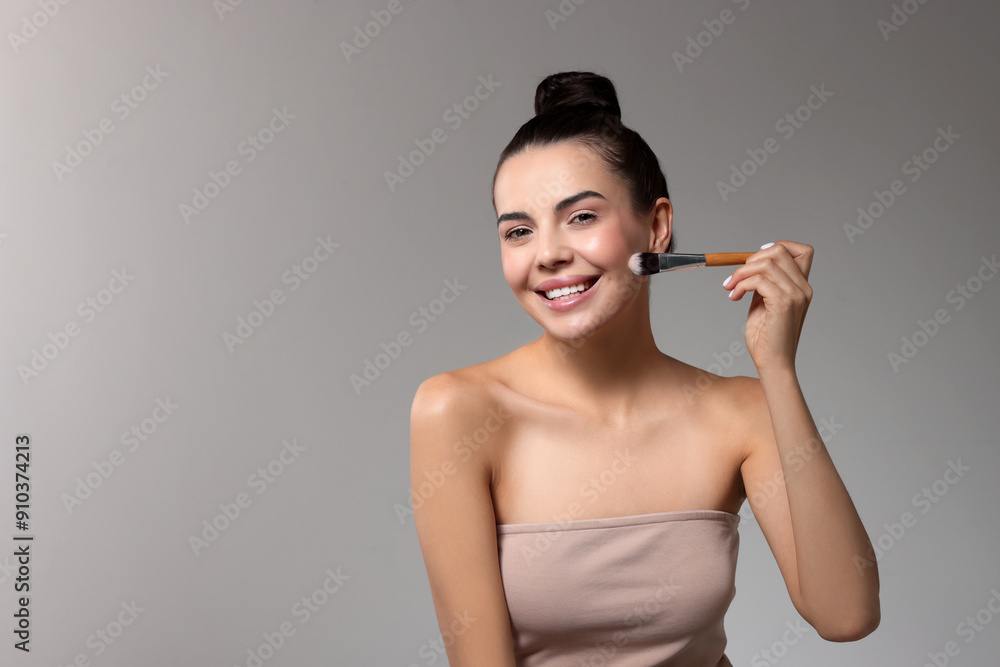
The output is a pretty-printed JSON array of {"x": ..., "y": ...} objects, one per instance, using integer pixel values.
[{"x": 563, "y": 291}]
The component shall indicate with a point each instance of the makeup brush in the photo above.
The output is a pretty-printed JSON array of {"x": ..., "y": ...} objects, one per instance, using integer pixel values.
[{"x": 648, "y": 263}]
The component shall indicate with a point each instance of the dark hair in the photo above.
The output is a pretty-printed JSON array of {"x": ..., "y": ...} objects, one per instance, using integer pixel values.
[{"x": 583, "y": 107}]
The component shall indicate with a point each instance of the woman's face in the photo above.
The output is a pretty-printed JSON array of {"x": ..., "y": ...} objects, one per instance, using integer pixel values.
[{"x": 565, "y": 223}]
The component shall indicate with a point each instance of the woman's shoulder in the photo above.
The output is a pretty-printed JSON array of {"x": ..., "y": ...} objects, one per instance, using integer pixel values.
[
  {"x": 734, "y": 405},
  {"x": 462, "y": 391},
  {"x": 712, "y": 397},
  {"x": 703, "y": 388},
  {"x": 449, "y": 407}
]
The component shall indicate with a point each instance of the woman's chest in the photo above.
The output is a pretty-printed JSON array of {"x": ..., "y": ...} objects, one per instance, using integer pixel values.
[{"x": 559, "y": 468}]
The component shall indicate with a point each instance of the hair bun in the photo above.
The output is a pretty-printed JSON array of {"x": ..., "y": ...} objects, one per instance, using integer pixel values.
[{"x": 567, "y": 90}]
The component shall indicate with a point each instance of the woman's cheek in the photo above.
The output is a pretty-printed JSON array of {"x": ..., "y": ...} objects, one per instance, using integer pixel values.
[
  {"x": 609, "y": 249},
  {"x": 512, "y": 271}
]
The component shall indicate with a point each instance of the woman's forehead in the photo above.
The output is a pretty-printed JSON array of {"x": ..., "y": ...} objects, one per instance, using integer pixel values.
[{"x": 542, "y": 175}]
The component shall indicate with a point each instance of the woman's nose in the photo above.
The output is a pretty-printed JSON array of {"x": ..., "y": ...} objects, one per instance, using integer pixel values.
[{"x": 553, "y": 248}]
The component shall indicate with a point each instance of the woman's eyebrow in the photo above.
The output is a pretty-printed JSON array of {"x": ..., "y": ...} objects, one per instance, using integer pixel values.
[{"x": 558, "y": 208}]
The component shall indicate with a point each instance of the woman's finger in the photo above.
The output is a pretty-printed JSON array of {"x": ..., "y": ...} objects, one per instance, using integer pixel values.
[
  {"x": 801, "y": 253},
  {"x": 780, "y": 269}
]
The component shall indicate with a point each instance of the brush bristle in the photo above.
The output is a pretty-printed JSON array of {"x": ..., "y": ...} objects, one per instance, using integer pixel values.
[{"x": 644, "y": 263}]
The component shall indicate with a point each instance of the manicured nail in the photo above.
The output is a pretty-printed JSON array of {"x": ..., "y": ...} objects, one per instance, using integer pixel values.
[
  {"x": 766, "y": 246},
  {"x": 726, "y": 281},
  {"x": 731, "y": 294}
]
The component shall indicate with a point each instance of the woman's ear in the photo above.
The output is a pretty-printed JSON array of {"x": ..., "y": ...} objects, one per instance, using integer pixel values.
[{"x": 661, "y": 225}]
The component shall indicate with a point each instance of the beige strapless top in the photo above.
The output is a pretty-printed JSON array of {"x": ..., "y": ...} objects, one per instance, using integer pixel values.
[{"x": 632, "y": 591}]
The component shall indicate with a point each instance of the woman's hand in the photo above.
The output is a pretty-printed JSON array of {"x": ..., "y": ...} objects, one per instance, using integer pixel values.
[{"x": 778, "y": 275}]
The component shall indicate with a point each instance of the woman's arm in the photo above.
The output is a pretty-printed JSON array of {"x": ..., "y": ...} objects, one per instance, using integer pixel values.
[
  {"x": 795, "y": 492},
  {"x": 806, "y": 513},
  {"x": 456, "y": 526}
]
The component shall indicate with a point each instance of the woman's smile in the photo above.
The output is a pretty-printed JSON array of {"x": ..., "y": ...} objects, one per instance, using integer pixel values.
[{"x": 576, "y": 290}]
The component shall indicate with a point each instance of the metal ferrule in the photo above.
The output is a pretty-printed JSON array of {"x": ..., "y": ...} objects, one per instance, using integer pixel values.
[{"x": 674, "y": 261}]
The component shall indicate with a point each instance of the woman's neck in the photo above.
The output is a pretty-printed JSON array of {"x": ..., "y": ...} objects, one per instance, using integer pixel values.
[{"x": 607, "y": 370}]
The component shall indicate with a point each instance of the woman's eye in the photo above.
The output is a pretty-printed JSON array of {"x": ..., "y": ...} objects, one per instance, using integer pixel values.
[
  {"x": 513, "y": 234},
  {"x": 584, "y": 217}
]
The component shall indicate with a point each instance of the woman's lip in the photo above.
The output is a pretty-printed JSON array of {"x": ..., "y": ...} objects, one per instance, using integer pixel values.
[{"x": 569, "y": 302}]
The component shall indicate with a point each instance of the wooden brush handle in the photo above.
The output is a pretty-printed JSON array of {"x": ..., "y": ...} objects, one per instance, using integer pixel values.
[{"x": 726, "y": 258}]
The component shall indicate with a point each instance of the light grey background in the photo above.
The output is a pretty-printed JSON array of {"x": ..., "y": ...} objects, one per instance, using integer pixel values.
[{"x": 336, "y": 504}]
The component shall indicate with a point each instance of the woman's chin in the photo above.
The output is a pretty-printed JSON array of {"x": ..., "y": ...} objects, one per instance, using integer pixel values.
[
  {"x": 574, "y": 327},
  {"x": 572, "y": 333}
]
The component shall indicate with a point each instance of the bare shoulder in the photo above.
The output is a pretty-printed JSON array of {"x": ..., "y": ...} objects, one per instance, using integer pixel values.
[
  {"x": 442, "y": 394},
  {"x": 453, "y": 404},
  {"x": 742, "y": 407},
  {"x": 456, "y": 395},
  {"x": 740, "y": 391},
  {"x": 734, "y": 407}
]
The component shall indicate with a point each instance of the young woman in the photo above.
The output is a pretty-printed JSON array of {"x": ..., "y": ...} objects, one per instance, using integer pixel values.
[{"x": 579, "y": 494}]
